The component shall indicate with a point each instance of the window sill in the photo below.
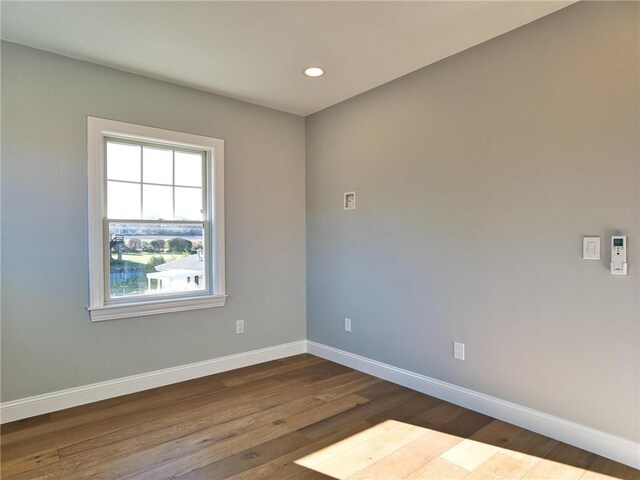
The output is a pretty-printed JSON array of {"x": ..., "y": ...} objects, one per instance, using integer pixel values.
[{"x": 115, "y": 311}]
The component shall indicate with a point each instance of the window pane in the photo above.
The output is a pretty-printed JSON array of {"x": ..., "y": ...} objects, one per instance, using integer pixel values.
[
  {"x": 188, "y": 203},
  {"x": 123, "y": 200},
  {"x": 123, "y": 162},
  {"x": 188, "y": 169},
  {"x": 157, "y": 165},
  {"x": 157, "y": 202},
  {"x": 154, "y": 259}
]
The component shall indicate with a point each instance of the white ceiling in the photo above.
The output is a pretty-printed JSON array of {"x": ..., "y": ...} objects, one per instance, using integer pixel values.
[{"x": 256, "y": 51}]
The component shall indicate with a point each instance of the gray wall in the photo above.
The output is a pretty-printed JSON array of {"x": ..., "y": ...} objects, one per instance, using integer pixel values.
[
  {"x": 476, "y": 178},
  {"x": 48, "y": 341}
]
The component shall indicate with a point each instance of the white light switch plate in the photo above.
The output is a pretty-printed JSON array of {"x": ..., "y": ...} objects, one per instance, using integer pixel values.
[{"x": 591, "y": 248}]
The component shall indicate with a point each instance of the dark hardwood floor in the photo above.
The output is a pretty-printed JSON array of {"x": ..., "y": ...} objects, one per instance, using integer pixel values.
[{"x": 297, "y": 418}]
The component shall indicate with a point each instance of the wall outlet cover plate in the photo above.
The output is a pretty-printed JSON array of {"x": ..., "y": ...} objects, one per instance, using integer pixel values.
[{"x": 458, "y": 350}]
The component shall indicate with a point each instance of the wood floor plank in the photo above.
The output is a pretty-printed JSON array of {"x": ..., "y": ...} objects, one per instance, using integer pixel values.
[
  {"x": 300, "y": 360},
  {"x": 466, "y": 424},
  {"x": 177, "y": 426},
  {"x": 110, "y": 408},
  {"x": 30, "y": 462},
  {"x": 415, "y": 406},
  {"x": 501, "y": 466},
  {"x": 483, "y": 445},
  {"x": 337, "y": 449},
  {"x": 105, "y": 462},
  {"x": 247, "y": 377},
  {"x": 498, "y": 433},
  {"x": 441, "y": 414},
  {"x": 362, "y": 382},
  {"x": 176, "y": 391},
  {"x": 562, "y": 461},
  {"x": 249, "y": 458},
  {"x": 198, "y": 416},
  {"x": 405, "y": 461},
  {"x": 257, "y": 422},
  {"x": 470, "y": 454},
  {"x": 85, "y": 431},
  {"x": 25, "y": 423},
  {"x": 371, "y": 451},
  {"x": 296, "y": 472},
  {"x": 385, "y": 403},
  {"x": 143, "y": 452},
  {"x": 279, "y": 467},
  {"x": 321, "y": 371},
  {"x": 603, "y": 468},
  {"x": 245, "y": 393},
  {"x": 382, "y": 389},
  {"x": 439, "y": 469},
  {"x": 182, "y": 464},
  {"x": 526, "y": 443},
  {"x": 519, "y": 451},
  {"x": 144, "y": 400}
]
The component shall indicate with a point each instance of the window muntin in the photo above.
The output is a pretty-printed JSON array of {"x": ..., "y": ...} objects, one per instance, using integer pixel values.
[
  {"x": 157, "y": 184},
  {"x": 154, "y": 182}
]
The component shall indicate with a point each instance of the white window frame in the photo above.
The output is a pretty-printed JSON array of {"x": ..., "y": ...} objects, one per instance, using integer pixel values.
[{"x": 100, "y": 307}]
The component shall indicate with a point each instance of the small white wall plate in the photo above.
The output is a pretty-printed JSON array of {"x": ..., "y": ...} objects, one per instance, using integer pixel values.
[
  {"x": 591, "y": 248},
  {"x": 349, "y": 201}
]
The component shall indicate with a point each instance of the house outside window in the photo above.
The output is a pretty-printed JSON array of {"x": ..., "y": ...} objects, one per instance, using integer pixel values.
[{"x": 156, "y": 220}]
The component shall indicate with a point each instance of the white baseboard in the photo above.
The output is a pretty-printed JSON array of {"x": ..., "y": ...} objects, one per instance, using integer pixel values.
[
  {"x": 604, "y": 444},
  {"x": 72, "y": 397},
  {"x": 601, "y": 443}
]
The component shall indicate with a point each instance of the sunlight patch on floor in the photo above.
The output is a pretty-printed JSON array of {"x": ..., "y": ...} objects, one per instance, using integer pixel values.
[{"x": 396, "y": 450}]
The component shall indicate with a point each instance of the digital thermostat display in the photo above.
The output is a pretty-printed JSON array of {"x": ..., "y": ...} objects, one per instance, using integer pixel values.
[{"x": 618, "y": 242}]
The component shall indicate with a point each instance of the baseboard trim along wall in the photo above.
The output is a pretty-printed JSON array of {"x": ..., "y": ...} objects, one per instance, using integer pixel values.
[
  {"x": 604, "y": 444},
  {"x": 72, "y": 397},
  {"x": 601, "y": 443}
]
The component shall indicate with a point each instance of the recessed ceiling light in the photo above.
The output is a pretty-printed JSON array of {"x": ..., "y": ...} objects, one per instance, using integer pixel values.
[{"x": 313, "y": 72}]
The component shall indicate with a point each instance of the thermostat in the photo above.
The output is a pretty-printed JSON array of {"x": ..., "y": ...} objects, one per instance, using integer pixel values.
[{"x": 619, "y": 255}]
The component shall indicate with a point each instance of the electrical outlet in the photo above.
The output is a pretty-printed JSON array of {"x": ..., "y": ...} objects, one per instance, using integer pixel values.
[
  {"x": 347, "y": 324},
  {"x": 239, "y": 327},
  {"x": 458, "y": 350}
]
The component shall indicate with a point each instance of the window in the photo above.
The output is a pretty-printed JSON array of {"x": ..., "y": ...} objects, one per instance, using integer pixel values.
[{"x": 156, "y": 220}]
